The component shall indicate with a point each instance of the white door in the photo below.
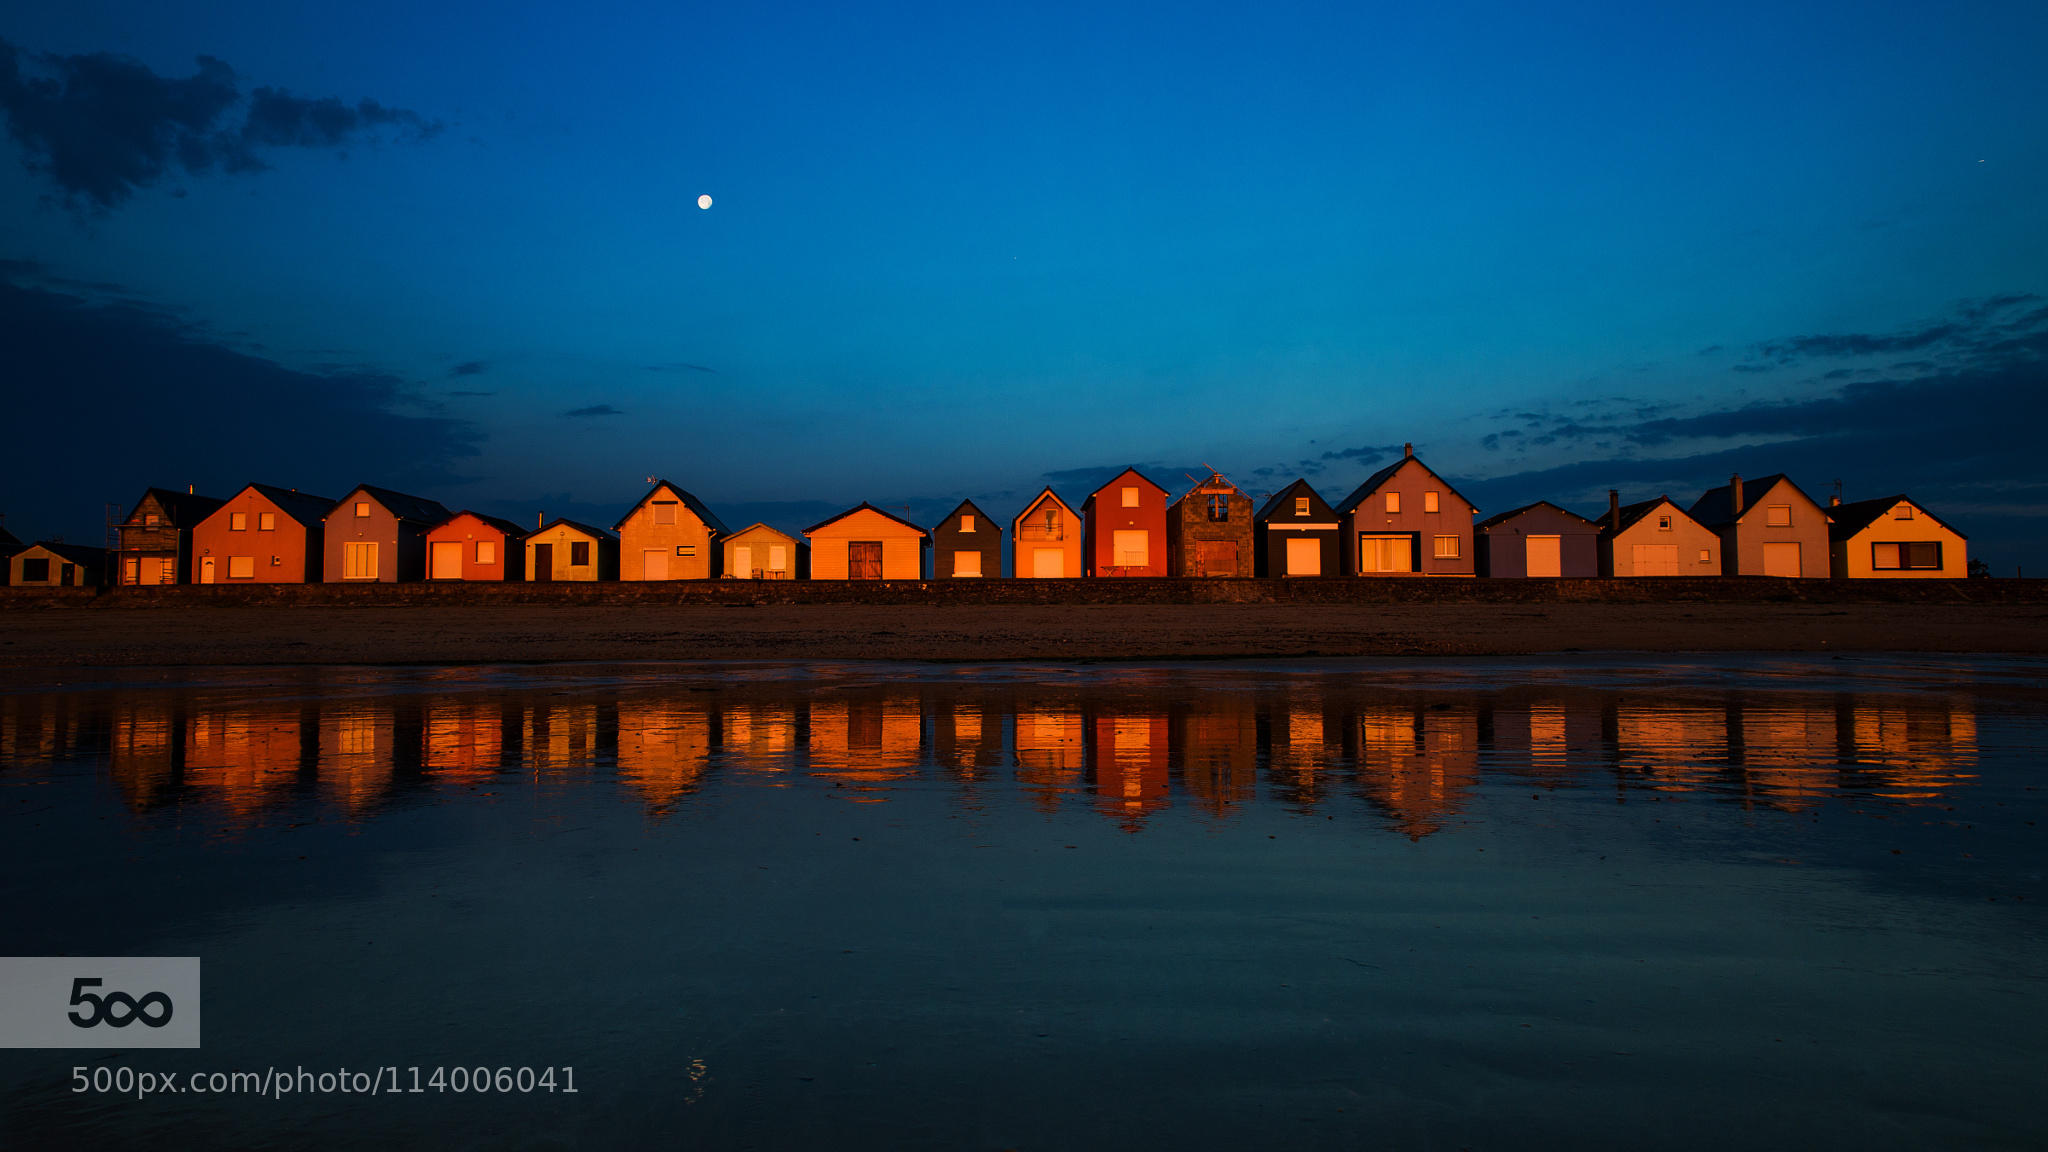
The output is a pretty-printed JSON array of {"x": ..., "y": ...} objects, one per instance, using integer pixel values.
[
  {"x": 1304, "y": 557},
  {"x": 206, "y": 570},
  {"x": 654, "y": 564},
  {"x": 447, "y": 559},
  {"x": 1654, "y": 560},
  {"x": 1049, "y": 562},
  {"x": 1781, "y": 559},
  {"x": 778, "y": 558},
  {"x": 1546, "y": 556},
  {"x": 1128, "y": 546},
  {"x": 743, "y": 560}
]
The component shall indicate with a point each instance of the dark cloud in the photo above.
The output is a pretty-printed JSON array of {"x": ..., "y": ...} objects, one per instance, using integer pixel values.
[
  {"x": 593, "y": 410},
  {"x": 677, "y": 366},
  {"x": 1367, "y": 454},
  {"x": 103, "y": 127},
  {"x": 470, "y": 368},
  {"x": 1970, "y": 328},
  {"x": 470, "y": 393}
]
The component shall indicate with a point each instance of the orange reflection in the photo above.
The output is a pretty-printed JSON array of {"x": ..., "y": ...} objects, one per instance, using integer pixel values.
[
  {"x": 1051, "y": 750},
  {"x": 867, "y": 742},
  {"x": 464, "y": 739},
  {"x": 759, "y": 738},
  {"x": 663, "y": 751},
  {"x": 1913, "y": 753},
  {"x": 142, "y": 755},
  {"x": 1787, "y": 754},
  {"x": 356, "y": 745},
  {"x": 1129, "y": 766},
  {"x": 1299, "y": 756},
  {"x": 1219, "y": 752},
  {"x": 560, "y": 737},
  {"x": 245, "y": 756},
  {"x": 1417, "y": 765},
  {"x": 1679, "y": 747},
  {"x": 967, "y": 739}
]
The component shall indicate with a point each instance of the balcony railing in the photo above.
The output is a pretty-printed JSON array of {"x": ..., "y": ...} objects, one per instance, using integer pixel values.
[{"x": 1042, "y": 532}]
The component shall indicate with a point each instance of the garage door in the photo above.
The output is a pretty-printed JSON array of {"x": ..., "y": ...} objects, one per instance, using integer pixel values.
[
  {"x": 1048, "y": 563},
  {"x": 1781, "y": 559},
  {"x": 1655, "y": 560},
  {"x": 447, "y": 560},
  {"x": 654, "y": 564},
  {"x": 1546, "y": 556},
  {"x": 1304, "y": 558}
]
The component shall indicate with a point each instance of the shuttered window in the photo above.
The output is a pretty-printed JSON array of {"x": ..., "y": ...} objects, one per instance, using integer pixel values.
[
  {"x": 487, "y": 551},
  {"x": 241, "y": 567}
]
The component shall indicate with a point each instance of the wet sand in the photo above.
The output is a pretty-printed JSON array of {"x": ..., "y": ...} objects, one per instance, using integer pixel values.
[{"x": 509, "y": 633}]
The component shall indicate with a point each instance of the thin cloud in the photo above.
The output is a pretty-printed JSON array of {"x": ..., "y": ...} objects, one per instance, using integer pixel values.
[
  {"x": 470, "y": 368},
  {"x": 677, "y": 366},
  {"x": 593, "y": 410}
]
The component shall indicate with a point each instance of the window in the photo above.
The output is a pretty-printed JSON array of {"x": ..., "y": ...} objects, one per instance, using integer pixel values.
[
  {"x": 241, "y": 567},
  {"x": 1219, "y": 508},
  {"x": 1385, "y": 553},
  {"x": 358, "y": 561},
  {"x": 1447, "y": 547},
  {"x": 238, "y": 521},
  {"x": 966, "y": 563},
  {"x": 1301, "y": 505},
  {"x": 1706, "y": 556},
  {"x": 686, "y": 549},
  {"x": 131, "y": 571},
  {"x": 1890, "y": 557},
  {"x": 1903, "y": 512},
  {"x": 266, "y": 521},
  {"x": 1429, "y": 502},
  {"x": 487, "y": 551},
  {"x": 35, "y": 571},
  {"x": 150, "y": 520},
  {"x": 967, "y": 525},
  {"x": 778, "y": 557},
  {"x": 1130, "y": 497},
  {"x": 1778, "y": 516},
  {"x": 1663, "y": 523},
  {"x": 1130, "y": 549},
  {"x": 664, "y": 511},
  {"x": 1393, "y": 503},
  {"x": 579, "y": 553}
]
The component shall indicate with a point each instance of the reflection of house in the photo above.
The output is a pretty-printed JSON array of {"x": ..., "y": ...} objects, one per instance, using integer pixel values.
[
  {"x": 560, "y": 738},
  {"x": 1051, "y": 750},
  {"x": 156, "y": 538},
  {"x": 1128, "y": 765},
  {"x": 866, "y": 742},
  {"x": 1892, "y": 537},
  {"x": 1296, "y": 534},
  {"x": 1298, "y": 747},
  {"x": 1677, "y": 746},
  {"x": 1787, "y": 753},
  {"x": 564, "y": 550},
  {"x": 966, "y": 738},
  {"x": 377, "y": 535},
  {"x": 1914, "y": 751},
  {"x": 663, "y": 750},
  {"x": 142, "y": 752},
  {"x": 669, "y": 535},
  {"x": 866, "y": 543},
  {"x": 1046, "y": 539},
  {"x": 1405, "y": 519},
  {"x": 1543, "y": 739},
  {"x": 244, "y": 756},
  {"x": 758, "y": 737},
  {"x": 1417, "y": 765},
  {"x": 1655, "y": 538},
  {"x": 967, "y": 544},
  {"x": 357, "y": 745},
  {"x": 1537, "y": 540},
  {"x": 473, "y": 546},
  {"x": 1125, "y": 527},
  {"x": 1217, "y": 740},
  {"x": 758, "y": 552},
  {"x": 1209, "y": 530},
  {"x": 464, "y": 739},
  {"x": 1767, "y": 526},
  {"x": 262, "y": 535},
  {"x": 48, "y": 564}
]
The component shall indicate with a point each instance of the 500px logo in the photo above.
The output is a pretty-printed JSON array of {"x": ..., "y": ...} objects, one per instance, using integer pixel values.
[{"x": 96, "y": 1001}]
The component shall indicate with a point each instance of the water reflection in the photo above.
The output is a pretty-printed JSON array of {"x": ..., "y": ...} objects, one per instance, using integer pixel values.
[{"x": 1416, "y": 762}]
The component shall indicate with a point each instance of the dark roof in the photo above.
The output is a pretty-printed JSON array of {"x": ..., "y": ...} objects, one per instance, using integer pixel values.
[
  {"x": 1712, "y": 508},
  {"x": 587, "y": 529},
  {"x": 418, "y": 509},
  {"x": 1280, "y": 499},
  {"x": 695, "y": 505},
  {"x": 1846, "y": 520},
  {"x": 9, "y": 539},
  {"x": 184, "y": 508},
  {"x": 1126, "y": 472},
  {"x": 1213, "y": 478},
  {"x": 304, "y": 507},
  {"x": 499, "y": 522},
  {"x": 1504, "y": 517},
  {"x": 76, "y": 553},
  {"x": 1630, "y": 513},
  {"x": 768, "y": 528},
  {"x": 1373, "y": 482},
  {"x": 968, "y": 506},
  {"x": 922, "y": 535},
  {"x": 1033, "y": 503}
]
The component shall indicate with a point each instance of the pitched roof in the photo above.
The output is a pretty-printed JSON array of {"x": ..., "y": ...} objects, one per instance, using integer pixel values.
[
  {"x": 589, "y": 530},
  {"x": 1036, "y": 500},
  {"x": 1373, "y": 482},
  {"x": 1208, "y": 486},
  {"x": 766, "y": 528},
  {"x": 184, "y": 508},
  {"x": 870, "y": 507},
  {"x": 1113, "y": 479},
  {"x": 508, "y": 527},
  {"x": 1280, "y": 499},
  {"x": 304, "y": 507},
  {"x": 76, "y": 553},
  {"x": 1712, "y": 508},
  {"x": 968, "y": 506},
  {"x": 9, "y": 540},
  {"x": 1631, "y": 513},
  {"x": 418, "y": 509},
  {"x": 1847, "y": 520},
  {"x": 695, "y": 506},
  {"x": 1504, "y": 517}
]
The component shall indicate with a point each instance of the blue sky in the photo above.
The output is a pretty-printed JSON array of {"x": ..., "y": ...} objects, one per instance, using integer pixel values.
[{"x": 958, "y": 249}]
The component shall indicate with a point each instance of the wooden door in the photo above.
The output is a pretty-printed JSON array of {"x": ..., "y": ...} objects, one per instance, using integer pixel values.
[
  {"x": 543, "y": 563},
  {"x": 1546, "y": 556},
  {"x": 206, "y": 570},
  {"x": 1216, "y": 557},
  {"x": 447, "y": 560},
  {"x": 1781, "y": 559},
  {"x": 864, "y": 560},
  {"x": 1304, "y": 557}
]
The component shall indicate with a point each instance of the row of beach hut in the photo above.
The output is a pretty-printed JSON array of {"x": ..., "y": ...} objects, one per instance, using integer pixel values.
[{"x": 1403, "y": 520}]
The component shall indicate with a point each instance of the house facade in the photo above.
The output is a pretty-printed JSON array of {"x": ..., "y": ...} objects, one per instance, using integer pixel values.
[
  {"x": 1047, "y": 541},
  {"x": 1537, "y": 540},
  {"x": 967, "y": 545},
  {"x": 1893, "y": 538},
  {"x": 1297, "y": 534},
  {"x": 1655, "y": 538},
  {"x": 669, "y": 535},
  {"x": 1209, "y": 530},
  {"x": 758, "y": 552},
  {"x": 1126, "y": 528},
  {"x": 866, "y": 543},
  {"x": 378, "y": 536},
  {"x": 47, "y": 564},
  {"x": 473, "y": 546},
  {"x": 261, "y": 535},
  {"x": 568, "y": 551},
  {"x": 1406, "y": 520},
  {"x": 1767, "y": 526},
  {"x": 156, "y": 538}
]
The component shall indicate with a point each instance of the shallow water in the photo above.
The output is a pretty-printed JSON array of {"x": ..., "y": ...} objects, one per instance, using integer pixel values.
[{"x": 1768, "y": 902}]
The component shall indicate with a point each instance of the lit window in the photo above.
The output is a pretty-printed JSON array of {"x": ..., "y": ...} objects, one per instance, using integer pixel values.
[
  {"x": 664, "y": 511},
  {"x": 131, "y": 571},
  {"x": 362, "y": 508},
  {"x": 1447, "y": 547},
  {"x": 1891, "y": 557},
  {"x": 1301, "y": 505},
  {"x": 1903, "y": 512},
  {"x": 238, "y": 521},
  {"x": 241, "y": 567},
  {"x": 966, "y": 563},
  {"x": 149, "y": 519},
  {"x": 1778, "y": 516},
  {"x": 1663, "y": 524},
  {"x": 579, "y": 553},
  {"x": 967, "y": 524},
  {"x": 487, "y": 551},
  {"x": 266, "y": 521},
  {"x": 686, "y": 549},
  {"x": 1706, "y": 556},
  {"x": 1393, "y": 503},
  {"x": 1130, "y": 497},
  {"x": 1429, "y": 503}
]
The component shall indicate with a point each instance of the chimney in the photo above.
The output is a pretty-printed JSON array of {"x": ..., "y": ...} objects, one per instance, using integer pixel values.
[
  {"x": 540, "y": 520},
  {"x": 1407, "y": 449},
  {"x": 188, "y": 489},
  {"x": 1614, "y": 508},
  {"x": 1735, "y": 494},
  {"x": 1835, "y": 501}
]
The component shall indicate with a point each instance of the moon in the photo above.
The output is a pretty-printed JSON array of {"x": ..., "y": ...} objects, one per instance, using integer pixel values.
[{"x": 704, "y": 201}]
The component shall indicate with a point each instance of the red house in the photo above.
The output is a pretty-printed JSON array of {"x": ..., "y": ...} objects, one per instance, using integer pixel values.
[
  {"x": 473, "y": 546},
  {"x": 261, "y": 535},
  {"x": 1126, "y": 528}
]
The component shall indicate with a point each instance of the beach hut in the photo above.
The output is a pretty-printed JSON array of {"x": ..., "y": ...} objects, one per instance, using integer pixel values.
[
  {"x": 1296, "y": 534},
  {"x": 1893, "y": 538},
  {"x": 1655, "y": 538},
  {"x": 261, "y": 535},
  {"x": 1209, "y": 530},
  {"x": 156, "y": 538},
  {"x": 473, "y": 546},
  {"x": 1126, "y": 521},
  {"x": 1767, "y": 526},
  {"x": 50, "y": 564},
  {"x": 1406, "y": 520},
  {"x": 669, "y": 535},
  {"x": 377, "y": 535},
  {"x": 1537, "y": 540},
  {"x": 565, "y": 550},
  {"x": 1046, "y": 539},
  {"x": 758, "y": 552},
  {"x": 866, "y": 543},
  {"x": 967, "y": 544}
]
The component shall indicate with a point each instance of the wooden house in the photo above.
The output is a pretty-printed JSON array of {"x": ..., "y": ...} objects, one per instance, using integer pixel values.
[
  {"x": 1046, "y": 540},
  {"x": 1537, "y": 540},
  {"x": 967, "y": 544},
  {"x": 1209, "y": 530},
  {"x": 669, "y": 535},
  {"x": 9, "y": 545},
  {"x": 1406, "y": 520},
  {"x": 156, "y": 538},
  {"x": 1655, "y": 538},
  {"x": 262, "y": 535},
  {"x": 1126, "y": 527},
  {"x": 758, "y": 552},
  {"x": 866, "y": 543},
  {"x": 1767, "y": 526},
  {"x": 376, "y": 535},
  {"x": 1893, "y": 538},
  {"x": 473, "y": 546},
  {"x": 48, "y": 564},
  {"x": 565, "y": 550},
  {"x": 1297, "y": 534}
]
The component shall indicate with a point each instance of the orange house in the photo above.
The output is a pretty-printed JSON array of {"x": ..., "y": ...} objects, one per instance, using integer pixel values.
[
  {"x": 261, "y": 535},
  {"x": 866, "y": 543},
  {"x": 376, "y": 535},
  {"x": 1404, "y": 520},
  {"x": 473, "y": 546},
  {"x": 669, "y": 535},
  {"x": 1046, "y": 539},
  {"x": 1126, "y": 527}
]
